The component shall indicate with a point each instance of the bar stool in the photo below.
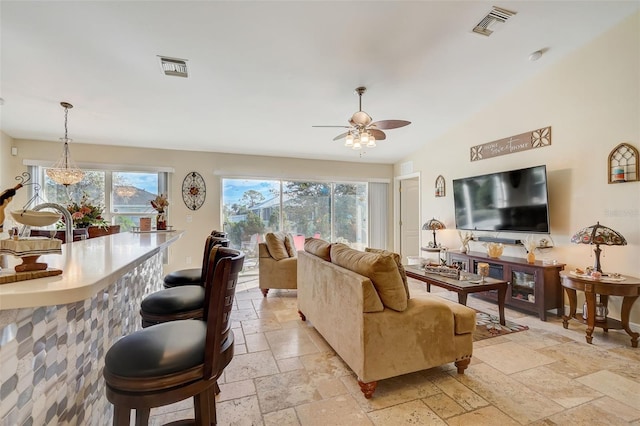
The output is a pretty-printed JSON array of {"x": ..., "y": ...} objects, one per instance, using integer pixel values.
[
  {"x": 178, "y": 303},
  {"x": 193, "y": 276},
  {"x": 173, "y": 361}
]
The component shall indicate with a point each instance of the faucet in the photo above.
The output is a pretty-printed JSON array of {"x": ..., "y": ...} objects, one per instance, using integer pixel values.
[{"x": 68, "y": 221}]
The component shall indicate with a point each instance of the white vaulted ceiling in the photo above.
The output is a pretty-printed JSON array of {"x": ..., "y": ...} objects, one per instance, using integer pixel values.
[{"x": 261, "y": 73}]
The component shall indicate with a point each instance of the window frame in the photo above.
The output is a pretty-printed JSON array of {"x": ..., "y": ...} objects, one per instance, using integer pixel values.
[{"x": 38, "y": 169}]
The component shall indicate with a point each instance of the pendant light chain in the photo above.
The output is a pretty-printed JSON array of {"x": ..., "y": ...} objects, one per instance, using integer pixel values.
[{"x": 64, "y": 172}]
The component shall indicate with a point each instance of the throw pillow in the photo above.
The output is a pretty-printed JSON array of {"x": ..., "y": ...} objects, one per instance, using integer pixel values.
[
  {"x": 275, "y": 245},
  {"x": 396, "y": 257},
  {"x": 381, "y": 270},
  {"x": 318, "y": 247},
  {"x": 290, "y": 246}
]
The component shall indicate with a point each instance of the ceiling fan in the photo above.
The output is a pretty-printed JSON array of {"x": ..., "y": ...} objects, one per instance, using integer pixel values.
[{"x": 363, "y": 131}]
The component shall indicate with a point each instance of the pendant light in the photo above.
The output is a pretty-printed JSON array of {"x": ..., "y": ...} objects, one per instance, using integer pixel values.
[{"x": 65, "y": 172}]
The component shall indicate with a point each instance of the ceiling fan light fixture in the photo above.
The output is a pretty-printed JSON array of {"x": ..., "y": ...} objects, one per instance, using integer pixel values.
[
  {"x": 348, "y": 140},
  {"x": 363, "y": 132},
  {"x": 372, "y": 142},
  {"x": 364, "y": 138}
]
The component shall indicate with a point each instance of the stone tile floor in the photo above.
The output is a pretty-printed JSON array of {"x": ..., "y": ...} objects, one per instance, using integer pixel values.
[{"x": 284, "y": 373}]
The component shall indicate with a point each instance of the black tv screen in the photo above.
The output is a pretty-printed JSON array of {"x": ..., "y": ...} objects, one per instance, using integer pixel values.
[{"x": 514, "y": 201}]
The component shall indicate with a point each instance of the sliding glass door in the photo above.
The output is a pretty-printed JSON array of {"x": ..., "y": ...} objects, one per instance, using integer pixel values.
[
  {"x": 306, "y": 210},
  {"x": 333, "y": 211}
]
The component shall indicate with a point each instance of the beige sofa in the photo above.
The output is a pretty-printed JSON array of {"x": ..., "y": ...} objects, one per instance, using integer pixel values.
[
  {"x": 277, "y": 263},
  {"x": 371, "y": 323}
]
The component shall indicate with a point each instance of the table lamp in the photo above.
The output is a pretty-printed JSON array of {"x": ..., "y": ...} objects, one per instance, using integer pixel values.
[
  {"x": 433, "y": 225},
  {"x": 598, "y": 234}
]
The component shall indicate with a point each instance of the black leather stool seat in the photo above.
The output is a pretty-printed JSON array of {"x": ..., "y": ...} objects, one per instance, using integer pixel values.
[
  {"x": 163, "y": 349},
  {"x": 174, "y": 300},
  {"x": 193, "y": 276},
  {"x": 183, "y": 277}
]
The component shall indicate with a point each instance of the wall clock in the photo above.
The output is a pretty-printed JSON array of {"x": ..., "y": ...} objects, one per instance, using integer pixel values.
[{"x": 193, "y": 190}]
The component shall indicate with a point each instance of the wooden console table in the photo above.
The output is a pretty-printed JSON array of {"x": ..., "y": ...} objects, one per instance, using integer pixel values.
[
  {"x": 532, "y": 288},
  {"x": 463, "y": 288},
  {"x": 629, "y": 289}
]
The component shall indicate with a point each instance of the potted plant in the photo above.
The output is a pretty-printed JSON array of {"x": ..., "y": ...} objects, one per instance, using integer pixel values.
[{"x": 87, "y": 219}]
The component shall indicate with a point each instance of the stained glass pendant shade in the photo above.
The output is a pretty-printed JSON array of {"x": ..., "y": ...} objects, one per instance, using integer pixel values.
[{"x": 598, "y": 234}]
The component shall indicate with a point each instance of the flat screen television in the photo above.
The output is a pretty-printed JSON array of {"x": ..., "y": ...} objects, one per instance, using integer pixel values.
[{"x": 513, "y": 201}]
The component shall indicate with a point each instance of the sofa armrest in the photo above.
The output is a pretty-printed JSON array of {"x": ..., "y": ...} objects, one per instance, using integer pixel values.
[
  {"x": 263, "y": 252},
  {"x": 463, "y": 317},
  {"x": 420, "y": 337},
  {"x": 278, "y": 273}
]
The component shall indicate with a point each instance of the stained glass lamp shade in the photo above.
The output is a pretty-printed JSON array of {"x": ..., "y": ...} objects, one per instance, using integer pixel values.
[
  {"x": 433, "y": 225},
  {"x": 598, "y": 234}
]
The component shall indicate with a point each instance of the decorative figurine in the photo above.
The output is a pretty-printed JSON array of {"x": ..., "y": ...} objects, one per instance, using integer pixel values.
[{"x": 5, "y": 199}]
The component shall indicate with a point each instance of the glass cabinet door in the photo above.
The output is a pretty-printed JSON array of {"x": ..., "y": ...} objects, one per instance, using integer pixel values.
[{"x": 523, "y": 285}]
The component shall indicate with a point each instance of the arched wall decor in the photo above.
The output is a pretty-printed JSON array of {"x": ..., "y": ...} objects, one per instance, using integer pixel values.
[
  {"x": 623, "y": 164},
  {"x": 440, "y": 186}
]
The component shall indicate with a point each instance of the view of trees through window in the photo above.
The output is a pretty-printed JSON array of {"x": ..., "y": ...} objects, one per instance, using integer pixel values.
[
  {"x": 124, "y": 196},
  {"x": 336, "y": 212}
]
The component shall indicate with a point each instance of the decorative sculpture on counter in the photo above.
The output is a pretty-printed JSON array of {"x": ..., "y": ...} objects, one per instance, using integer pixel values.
[
  {"x": 28, "y": 249},
  {"x": 159, "y": 204},
  {"x": 7, "y": 196}
]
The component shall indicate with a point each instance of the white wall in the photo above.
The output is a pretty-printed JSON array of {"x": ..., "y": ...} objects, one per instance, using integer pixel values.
[
  {"x": 212, "y": 166},
  {"x": 592, "y": 102},
  {"x": 6, "y": 179}
]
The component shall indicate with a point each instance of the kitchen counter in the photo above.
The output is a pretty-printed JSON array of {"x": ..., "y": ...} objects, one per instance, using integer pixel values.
[
  {"x": 55, "y": 331},
  {"x": 88, "y": 266}
]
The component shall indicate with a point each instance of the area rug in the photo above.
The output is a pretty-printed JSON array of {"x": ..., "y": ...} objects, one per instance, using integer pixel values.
[{"x": 488, "y": 325}]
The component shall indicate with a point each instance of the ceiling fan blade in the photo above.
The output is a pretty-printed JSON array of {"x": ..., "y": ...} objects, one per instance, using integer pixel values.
[
  {"x": 341, "y": 136},
  {"x": 390, "y": 124},
  {"x": 378, "y": 134},
  {"x": 341, "y": 127}
]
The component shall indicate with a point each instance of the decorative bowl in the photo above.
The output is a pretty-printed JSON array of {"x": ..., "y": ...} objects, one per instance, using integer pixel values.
[
  {"x": 35, "y": 218},
  {"x": 495, "y": 250}
]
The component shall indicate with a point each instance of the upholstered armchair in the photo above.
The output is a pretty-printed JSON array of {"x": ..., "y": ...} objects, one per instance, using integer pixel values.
[{"x": 277, "y": 262}]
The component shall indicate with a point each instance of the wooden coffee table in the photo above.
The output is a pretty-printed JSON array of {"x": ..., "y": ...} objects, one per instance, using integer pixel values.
[{"x": 463, "y": 288}]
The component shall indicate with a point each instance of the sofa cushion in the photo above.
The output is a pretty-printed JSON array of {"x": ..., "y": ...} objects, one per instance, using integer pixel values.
[
  {"x": 318, "y": 247},
  {"x": 290, "y": 246},
  {"x": 275, "y": 245},
  {"x": 381, "y": 270},
  {"x": 396, "y": 257}
]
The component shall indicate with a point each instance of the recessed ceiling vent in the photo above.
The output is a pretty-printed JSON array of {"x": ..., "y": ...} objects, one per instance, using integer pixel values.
[
  {"x": 174, "y": 66},
  {"x": 497, "y": 14}
]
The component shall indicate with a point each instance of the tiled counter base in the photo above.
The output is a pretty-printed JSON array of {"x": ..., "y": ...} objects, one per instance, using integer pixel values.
[{"x": 51, "y": 358}]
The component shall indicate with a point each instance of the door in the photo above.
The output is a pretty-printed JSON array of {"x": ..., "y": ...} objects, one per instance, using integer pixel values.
[{"x": 409, "y": 218}]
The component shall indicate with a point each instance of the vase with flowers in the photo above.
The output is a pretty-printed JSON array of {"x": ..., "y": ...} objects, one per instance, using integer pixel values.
[
  {"x": 160, "y": 203},
  {"x": 86, "y": 213},
  {"x": 530, "y": 244}
]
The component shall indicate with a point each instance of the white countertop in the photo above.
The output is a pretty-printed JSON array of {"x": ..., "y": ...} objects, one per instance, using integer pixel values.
[{"x": 88, "y": 266}]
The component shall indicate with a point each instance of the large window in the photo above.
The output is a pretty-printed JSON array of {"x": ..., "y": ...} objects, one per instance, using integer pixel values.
[
  {"x": 333, "y": 211},
  {"x": 124, "y": 196}
]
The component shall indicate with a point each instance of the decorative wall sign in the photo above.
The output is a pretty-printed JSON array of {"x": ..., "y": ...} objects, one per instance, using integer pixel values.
[
  {"x": 522, "y": 142},
  {"x": 193, "y": 190},
  {"x": 440, "y": 186},
  {"x": 623, "y": 164}
]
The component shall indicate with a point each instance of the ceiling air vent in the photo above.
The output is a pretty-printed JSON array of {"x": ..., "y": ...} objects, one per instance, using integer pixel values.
[
  {"x": 174, "y": 67},
  {"x": 497, "y": 14}
]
